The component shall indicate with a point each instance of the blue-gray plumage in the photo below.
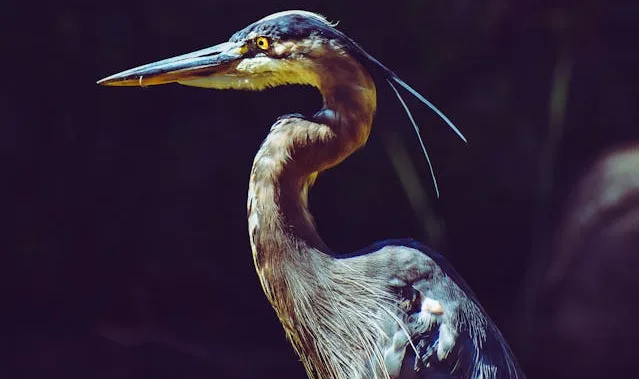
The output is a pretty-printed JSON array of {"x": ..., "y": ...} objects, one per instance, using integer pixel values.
[{"x": 393, "y": 310}]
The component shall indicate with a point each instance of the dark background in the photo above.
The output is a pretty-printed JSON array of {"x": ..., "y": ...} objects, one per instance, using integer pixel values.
[{"x": 126, "y": 251}]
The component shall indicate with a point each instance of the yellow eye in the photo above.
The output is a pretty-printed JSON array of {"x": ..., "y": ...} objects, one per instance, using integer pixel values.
[{"x": 262, "y": 42}]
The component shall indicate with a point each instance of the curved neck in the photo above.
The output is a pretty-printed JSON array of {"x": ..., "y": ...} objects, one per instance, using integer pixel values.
[{"x": 291, "y": 156}]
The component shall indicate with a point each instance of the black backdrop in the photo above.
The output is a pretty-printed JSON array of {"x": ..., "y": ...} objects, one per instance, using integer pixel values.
[{"x": 126, "y": 246}]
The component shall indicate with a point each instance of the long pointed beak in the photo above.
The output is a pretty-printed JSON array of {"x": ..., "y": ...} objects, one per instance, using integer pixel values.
[{"x": 217, "y": 59}]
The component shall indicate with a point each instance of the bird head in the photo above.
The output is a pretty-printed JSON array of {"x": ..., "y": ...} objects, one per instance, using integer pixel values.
[{"x": 291, "y": 47}]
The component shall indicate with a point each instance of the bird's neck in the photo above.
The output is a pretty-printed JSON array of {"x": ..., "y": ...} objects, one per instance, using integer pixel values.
[
  {"x": 299, "y": 276},
  {"x": 282, "y": 230}
]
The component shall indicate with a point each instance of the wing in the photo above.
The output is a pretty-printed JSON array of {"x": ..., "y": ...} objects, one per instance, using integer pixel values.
[{"x": 450, "y": 334}]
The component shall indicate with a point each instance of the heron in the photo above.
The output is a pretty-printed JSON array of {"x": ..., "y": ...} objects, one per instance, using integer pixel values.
[{"x": 396, "y": 309}]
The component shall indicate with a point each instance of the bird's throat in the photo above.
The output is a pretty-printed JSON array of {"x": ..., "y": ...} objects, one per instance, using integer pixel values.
[
  {"x": 282, "y": 232},
  {"x": 289, "y": 255},
  {"x": 295, "y": 151}
]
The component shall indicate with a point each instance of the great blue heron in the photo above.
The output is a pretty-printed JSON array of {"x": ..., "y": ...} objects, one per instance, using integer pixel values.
[{"x": 393, "y": 310}]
